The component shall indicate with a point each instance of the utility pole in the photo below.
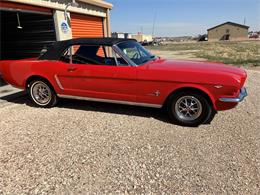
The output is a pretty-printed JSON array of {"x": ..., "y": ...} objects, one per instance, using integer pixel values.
[
  {"x": 244, "y": 20},
  {"x": 154, "y": 19}
]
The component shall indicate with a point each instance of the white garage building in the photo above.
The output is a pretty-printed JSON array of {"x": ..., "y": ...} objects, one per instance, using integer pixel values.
[{"x": 29, "y": 25}]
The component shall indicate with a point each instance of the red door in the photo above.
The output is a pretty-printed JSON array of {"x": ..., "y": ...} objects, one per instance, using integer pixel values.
[{"x": 98, "y": 81}]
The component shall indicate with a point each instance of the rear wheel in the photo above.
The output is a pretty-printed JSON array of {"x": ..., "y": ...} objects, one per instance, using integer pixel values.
[
  {"x": 189, "y": 109},
  {"x": 42, "y": 93}
]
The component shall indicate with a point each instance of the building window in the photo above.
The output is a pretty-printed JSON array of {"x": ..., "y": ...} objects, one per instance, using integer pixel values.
[{"x": 227, "y": 31}]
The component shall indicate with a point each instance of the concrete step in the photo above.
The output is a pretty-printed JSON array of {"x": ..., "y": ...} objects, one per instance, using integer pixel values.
[{"x": 8, "y": 92}]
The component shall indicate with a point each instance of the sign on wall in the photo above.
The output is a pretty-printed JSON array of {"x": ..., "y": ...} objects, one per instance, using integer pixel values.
[{"x": 64, "y": 27}]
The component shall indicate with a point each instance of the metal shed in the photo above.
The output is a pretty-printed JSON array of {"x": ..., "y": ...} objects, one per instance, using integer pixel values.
[{"x": 228, "y": 31}]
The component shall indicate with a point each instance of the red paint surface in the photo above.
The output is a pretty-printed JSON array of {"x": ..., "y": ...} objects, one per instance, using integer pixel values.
[{"x": 135, "y": 84}]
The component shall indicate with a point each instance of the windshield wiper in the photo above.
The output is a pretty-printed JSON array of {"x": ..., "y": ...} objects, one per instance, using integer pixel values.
[
  {"x": 150, "y": 58},
  {"x": 146, "y": 60}
]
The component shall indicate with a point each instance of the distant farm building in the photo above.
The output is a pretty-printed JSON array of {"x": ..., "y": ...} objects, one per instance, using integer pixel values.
[
  {"x": 144, "y": 39},
  {"x": 228, "y": 31},
  {"x": 121, "y": 35}
]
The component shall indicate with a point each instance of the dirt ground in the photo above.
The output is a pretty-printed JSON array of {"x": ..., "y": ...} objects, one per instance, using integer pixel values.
[
  {"x": 179, "y": 55},
  {"x": 82, "y": 147}
]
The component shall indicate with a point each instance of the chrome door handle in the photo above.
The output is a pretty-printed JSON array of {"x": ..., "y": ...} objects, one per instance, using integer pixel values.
[{"x": 72, "y": 69}]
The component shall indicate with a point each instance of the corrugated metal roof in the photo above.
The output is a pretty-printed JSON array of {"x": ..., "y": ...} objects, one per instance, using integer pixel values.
[{"x": 99, "y": 3}]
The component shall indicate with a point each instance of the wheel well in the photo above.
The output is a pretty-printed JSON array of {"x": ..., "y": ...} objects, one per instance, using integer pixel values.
[
  {"x": 32, "y": 78},
  {"x": 189, "y": 89}
]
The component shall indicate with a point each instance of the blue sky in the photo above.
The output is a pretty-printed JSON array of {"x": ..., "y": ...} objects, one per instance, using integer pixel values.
[{"x": 181, "y": 17}]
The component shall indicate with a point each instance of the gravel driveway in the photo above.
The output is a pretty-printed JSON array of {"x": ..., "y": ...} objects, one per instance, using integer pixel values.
[{"x": 81, "y": 147}]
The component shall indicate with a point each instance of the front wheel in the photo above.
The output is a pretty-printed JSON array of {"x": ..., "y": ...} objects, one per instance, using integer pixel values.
[
  {"x": 189, "y": 109},
  {"x": 42, "y": 94}
]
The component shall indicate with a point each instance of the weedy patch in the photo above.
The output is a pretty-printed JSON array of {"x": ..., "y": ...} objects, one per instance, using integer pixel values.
[{"x": 236, "y": 53}]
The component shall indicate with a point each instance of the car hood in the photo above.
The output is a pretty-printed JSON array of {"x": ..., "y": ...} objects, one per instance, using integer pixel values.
[
  {"x": 195, "y": 66},
  {"x": 207, "y": 72}
]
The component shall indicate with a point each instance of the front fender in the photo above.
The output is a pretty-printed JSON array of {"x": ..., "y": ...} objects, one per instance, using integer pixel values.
[{"x": 204, "y": 88}]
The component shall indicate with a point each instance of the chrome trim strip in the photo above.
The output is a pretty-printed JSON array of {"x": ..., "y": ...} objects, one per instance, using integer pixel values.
[
  {"x": 58, "y": 82},
  {"x": 240, "y": 98},
  {"x": 24, "y": 11},
  {"x": 110, "y": 101}
]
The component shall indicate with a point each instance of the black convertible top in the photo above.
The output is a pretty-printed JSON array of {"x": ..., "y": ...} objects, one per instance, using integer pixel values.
[{"x": 57, "y": 48}]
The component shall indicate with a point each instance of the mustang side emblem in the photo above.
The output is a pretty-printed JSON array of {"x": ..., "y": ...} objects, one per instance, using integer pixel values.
[
  {"x": 156, "y": 93},
  {"x": 218, "y": 86}
]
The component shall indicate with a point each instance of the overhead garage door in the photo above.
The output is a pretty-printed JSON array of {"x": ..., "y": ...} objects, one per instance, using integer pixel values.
[
  {"x": 86, "y": 26},
  {"x": 25, "y": 40}
]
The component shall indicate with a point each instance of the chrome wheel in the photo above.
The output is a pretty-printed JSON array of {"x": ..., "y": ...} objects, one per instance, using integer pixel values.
[
  {"x": 41, "y": 93},
  {"x": 188, "y": 108}
]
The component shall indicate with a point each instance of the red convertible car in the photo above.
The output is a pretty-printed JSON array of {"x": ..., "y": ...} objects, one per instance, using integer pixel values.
[{"x": 122, "y": 71}]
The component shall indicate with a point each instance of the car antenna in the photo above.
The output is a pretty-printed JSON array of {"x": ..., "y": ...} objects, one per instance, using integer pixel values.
[{"x": 154, "y": 20}]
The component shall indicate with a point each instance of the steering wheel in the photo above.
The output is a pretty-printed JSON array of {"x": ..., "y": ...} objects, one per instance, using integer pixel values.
[{"x": 135, "y": 56}]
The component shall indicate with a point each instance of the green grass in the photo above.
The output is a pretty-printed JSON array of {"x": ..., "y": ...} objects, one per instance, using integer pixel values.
[{"x": 237, "y": 53}]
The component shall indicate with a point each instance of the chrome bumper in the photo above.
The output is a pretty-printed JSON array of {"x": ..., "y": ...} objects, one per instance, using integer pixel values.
[{"x": 240, "y": 98}]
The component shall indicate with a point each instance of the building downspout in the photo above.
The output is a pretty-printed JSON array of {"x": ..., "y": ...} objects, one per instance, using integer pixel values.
[
  {"x": 108, "y": 23},
  {"x": 107, "y": 30}
]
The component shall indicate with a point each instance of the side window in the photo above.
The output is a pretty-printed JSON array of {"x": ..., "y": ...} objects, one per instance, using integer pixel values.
[
  {"x": 110, "y": 57},
  {"x": 136, "y": 54},
  {"x": 66, "y": 56},
  {"x": 119, "y": 61},
  {"x": 132, "y": 52},
  {"x": 82, "y": 54},
  {"x": 101, "y": 52},
  {"x": 92, "y": 54}
]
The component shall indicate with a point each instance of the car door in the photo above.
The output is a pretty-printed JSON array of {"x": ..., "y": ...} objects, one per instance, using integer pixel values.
[{"x": 102, "y": 81}]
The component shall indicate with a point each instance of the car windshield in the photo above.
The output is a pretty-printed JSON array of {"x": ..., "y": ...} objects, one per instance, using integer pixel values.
[{"x": 136, "y": 52}]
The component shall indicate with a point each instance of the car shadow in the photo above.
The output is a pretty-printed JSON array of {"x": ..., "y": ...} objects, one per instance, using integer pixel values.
[{"x": 158, "y": 114}]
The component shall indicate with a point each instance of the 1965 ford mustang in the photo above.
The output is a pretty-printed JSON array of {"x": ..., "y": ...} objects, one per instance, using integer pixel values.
[{"x": 122, "y": 71}]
